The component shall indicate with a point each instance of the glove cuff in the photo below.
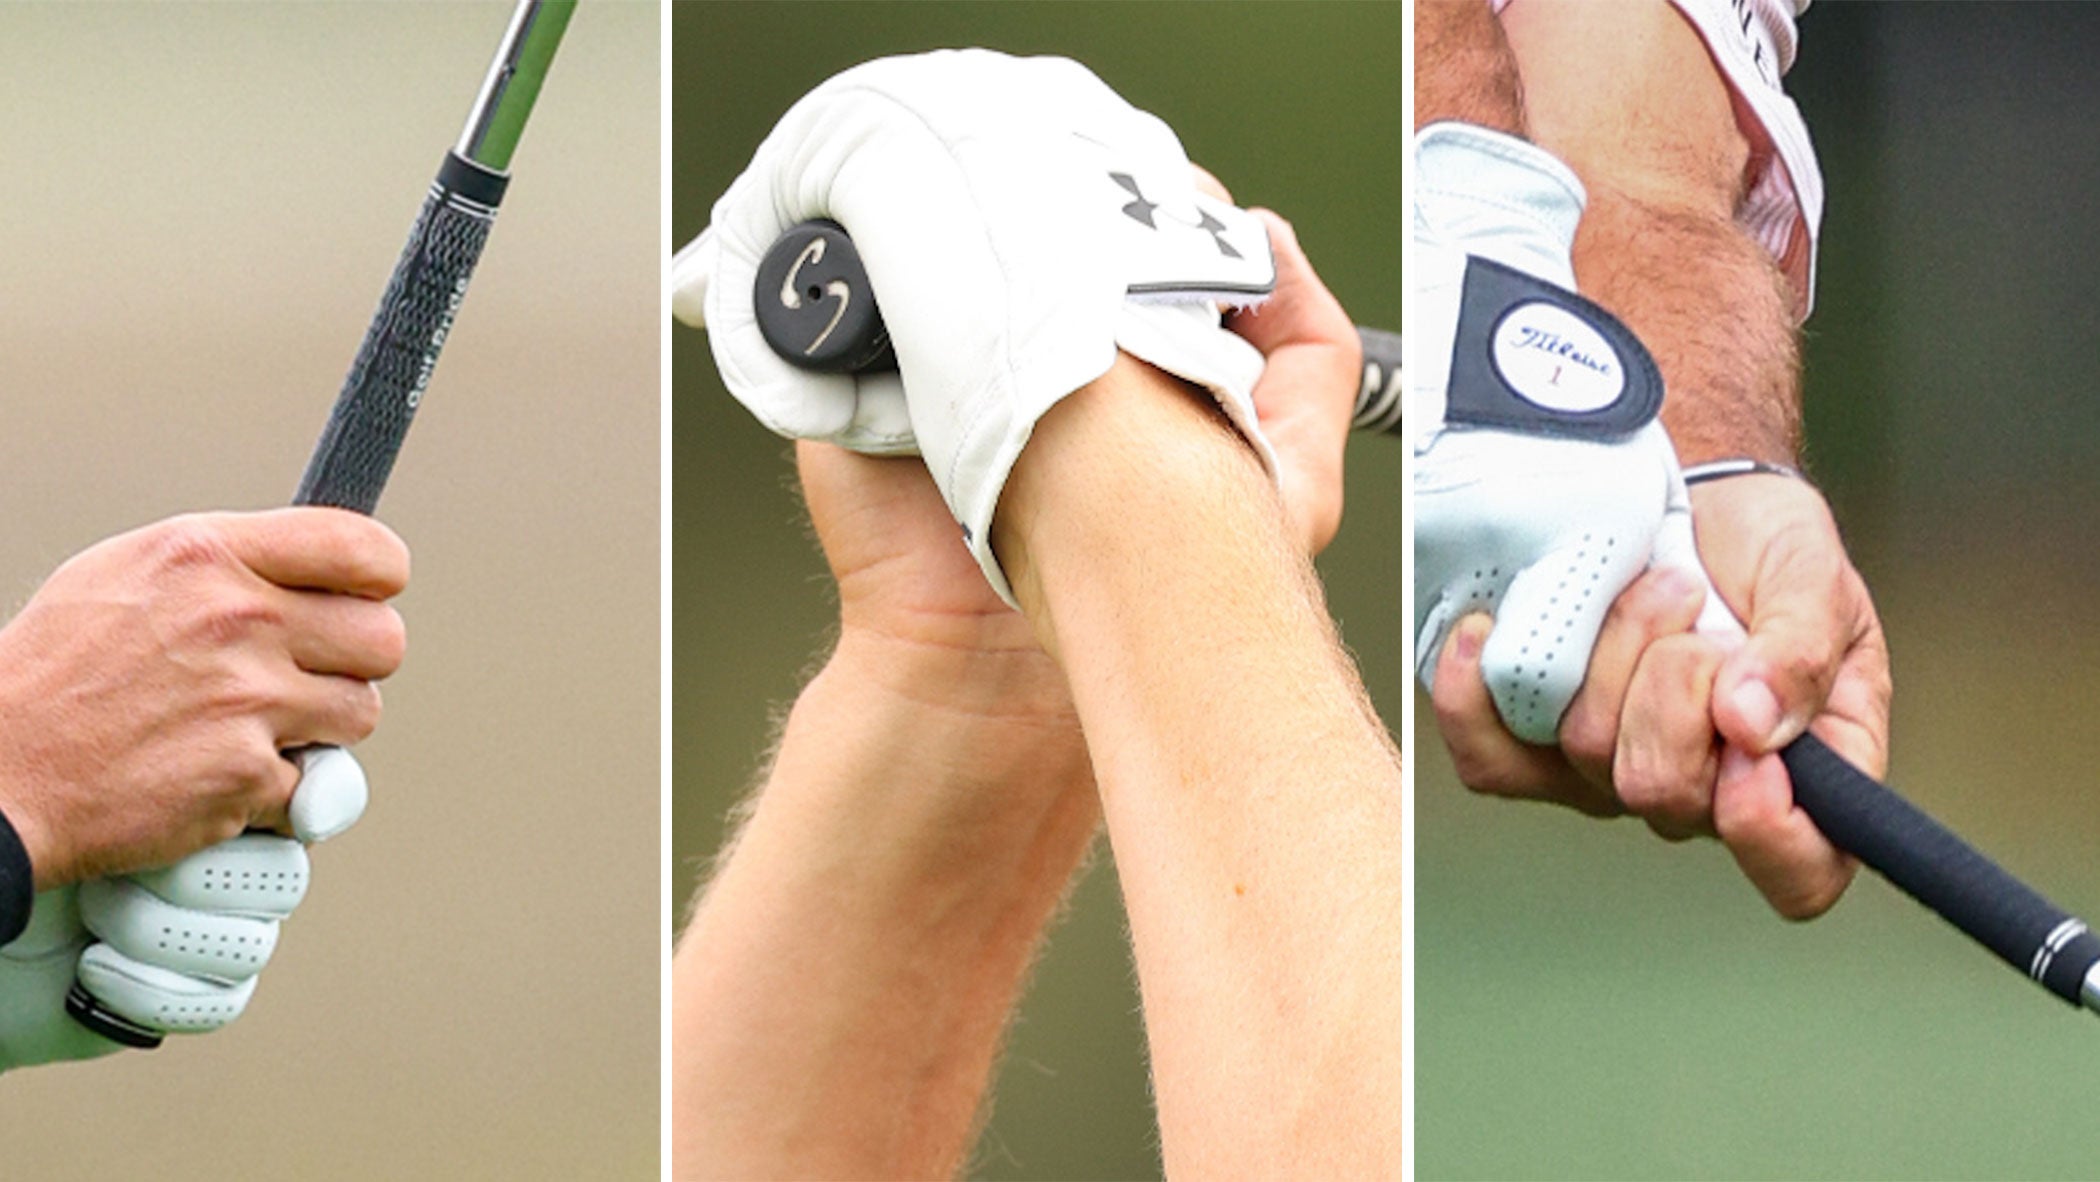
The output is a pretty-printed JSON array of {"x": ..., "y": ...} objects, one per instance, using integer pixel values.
[
  {"x": 17, "y": 883},
  {"x": 1500, "y": 197}
]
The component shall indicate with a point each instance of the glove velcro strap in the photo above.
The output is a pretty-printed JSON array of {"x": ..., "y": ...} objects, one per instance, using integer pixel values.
[
  {"x": 17, "y": 883},
  {"x": 1531, "y": 356}
]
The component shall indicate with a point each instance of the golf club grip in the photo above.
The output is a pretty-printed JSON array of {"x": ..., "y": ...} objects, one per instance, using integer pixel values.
[
  {"x": 356, "y": 452},
  {"x": 1930, "y": 864},
  {"x": 1378, "y": 399},
  {"x": 814, "y": 264},
  {"x": 350, "y": 464}
]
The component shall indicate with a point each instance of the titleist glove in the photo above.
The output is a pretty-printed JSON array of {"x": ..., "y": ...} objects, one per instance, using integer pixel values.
[
  {"x": 1544, "y": 483},
  {"x": 179, "y": 947},
  {"x": 1019, "y": 222}
]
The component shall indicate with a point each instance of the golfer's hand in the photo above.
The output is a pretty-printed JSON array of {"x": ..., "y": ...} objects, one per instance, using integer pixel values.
[
  {"x": 1645, "y": 733},
  {"x": 149, "y": 686},
  {"x": 1312, "y": 361},
  {"x": 906, "y": 579},
  {"x": 1004, "y": 208}
]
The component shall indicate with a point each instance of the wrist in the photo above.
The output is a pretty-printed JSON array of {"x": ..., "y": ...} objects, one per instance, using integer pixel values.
[
  {"x": 955, "y": 686},
  {"x": 975, "y": 738},
  {"x": 1109, "y": 488}
]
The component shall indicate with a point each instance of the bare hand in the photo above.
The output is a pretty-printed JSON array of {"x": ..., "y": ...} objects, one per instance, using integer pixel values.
[
  {"x": 1312, "y": 363},
  {"x": 148, "y": 687}
]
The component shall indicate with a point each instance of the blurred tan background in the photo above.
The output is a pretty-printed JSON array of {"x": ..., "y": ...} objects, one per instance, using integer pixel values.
[
  {"x": 1295, "y": 106},
  {"x": 202, "y": 205},
  {"x": 1593, "y": 1003}
]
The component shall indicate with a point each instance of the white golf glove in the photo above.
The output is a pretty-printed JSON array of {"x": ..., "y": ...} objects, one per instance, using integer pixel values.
[
  {"x": 179, "y": 947},
  {"x": 1019, "y": 222},
  {"x": 1544, "y": 483}
]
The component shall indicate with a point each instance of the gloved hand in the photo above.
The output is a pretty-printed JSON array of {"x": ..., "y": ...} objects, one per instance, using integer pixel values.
[
  {"x": 180, "y": 946},
  {"x": 1544, "y": 483},
  {"x": 1019, "y": 223}
]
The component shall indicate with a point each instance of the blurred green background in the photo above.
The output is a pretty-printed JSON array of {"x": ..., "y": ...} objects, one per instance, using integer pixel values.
[
  {"x": 1294, "y": 105},
  {"x": 1593, "y": 1003},
  {"x": 202, "y": 205}
]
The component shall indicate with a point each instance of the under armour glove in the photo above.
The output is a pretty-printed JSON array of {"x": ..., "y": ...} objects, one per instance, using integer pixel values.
[
  {"x": 1019, "y": 223},
  {"x": 1544, "y": 483}
]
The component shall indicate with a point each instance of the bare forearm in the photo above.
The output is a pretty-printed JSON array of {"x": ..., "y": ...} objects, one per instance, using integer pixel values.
[
  {"x": 1627, "y": 95},
  {"x": 1252, "y": 798},
  {"x": 1709, "y": 303},
  {"x": 1463, "y": 67},
  {"x": 842, "y": 990}
]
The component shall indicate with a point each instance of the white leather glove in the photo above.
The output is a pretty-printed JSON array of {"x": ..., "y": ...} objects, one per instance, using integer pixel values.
[
  {"x": 1544, "y": 483},
  {"x": 180, "y": 946},
  {"x": 1019, "y": 222},
  {"x": 36, "y": 970}
]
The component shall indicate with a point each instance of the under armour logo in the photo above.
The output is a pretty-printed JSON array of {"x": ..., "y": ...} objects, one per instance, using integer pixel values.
[{"x": 1141, "y": 210}]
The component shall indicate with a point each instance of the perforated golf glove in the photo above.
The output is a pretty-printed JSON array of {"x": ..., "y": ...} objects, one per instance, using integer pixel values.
[
  {"x": 173, "y": 950},
  {"x": 1544, "y": 483},
  {"x": 1019, "y": 222}
]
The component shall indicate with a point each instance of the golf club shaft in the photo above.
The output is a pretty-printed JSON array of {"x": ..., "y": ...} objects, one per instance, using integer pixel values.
[
  {"x": 356, "y": 452},
  {"x": 357, "y": 448}
]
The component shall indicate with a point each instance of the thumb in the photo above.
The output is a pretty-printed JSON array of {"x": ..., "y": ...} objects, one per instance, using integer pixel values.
[
  {"x": 692, "y": 269},
  {"x": 1767, "y": 691},
  {"x": 331, "y": 794}
]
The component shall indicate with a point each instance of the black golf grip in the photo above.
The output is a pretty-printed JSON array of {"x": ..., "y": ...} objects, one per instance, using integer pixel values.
[
  {"x": 350, "y": 464},
  {"x": 817, "y": 310},
  {"x": 1930, "y": 864},
  {"x": 356, "y": 451}
]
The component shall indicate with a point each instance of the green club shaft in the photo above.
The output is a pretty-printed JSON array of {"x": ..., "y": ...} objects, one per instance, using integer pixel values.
[{"x": 513, "y": 82}]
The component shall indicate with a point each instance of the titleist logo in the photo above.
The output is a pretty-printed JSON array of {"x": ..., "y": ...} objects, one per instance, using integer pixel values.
[{"x": 1552, "y": 344}]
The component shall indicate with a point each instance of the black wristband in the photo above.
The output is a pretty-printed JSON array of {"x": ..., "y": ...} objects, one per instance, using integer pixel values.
[
  {"x": 1723, "y": 469},
  {"x": 17, "y": 883}
]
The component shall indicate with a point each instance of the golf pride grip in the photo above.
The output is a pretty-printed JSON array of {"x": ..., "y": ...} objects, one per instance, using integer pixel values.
[
  {"x": 356, "y": 452},
  {"x": 1940, "y": 870}
]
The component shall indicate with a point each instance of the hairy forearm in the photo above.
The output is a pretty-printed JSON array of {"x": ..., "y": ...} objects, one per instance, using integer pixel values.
[
  {"x": 1463, "y": 67},
  {"x": 1253, "y": 799},
  {"x": 842, "y": 989},
  {"x": 1709, "y": 303},
  {"x": 1627, "y": 95}
]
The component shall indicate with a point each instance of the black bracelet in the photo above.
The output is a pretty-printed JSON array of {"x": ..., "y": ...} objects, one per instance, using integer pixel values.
[
  {"x": 1723, "y": 469},
  {"x": 17, "y": 883}
]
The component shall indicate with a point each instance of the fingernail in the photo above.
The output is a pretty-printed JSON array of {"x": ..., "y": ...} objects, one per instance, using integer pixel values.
[{"x": 1759, "y": 708}]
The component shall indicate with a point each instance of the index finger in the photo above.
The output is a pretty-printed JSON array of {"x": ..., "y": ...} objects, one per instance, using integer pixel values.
[
  {"x": 318, "y": 549},
  {"x": 1778, "y": 847}
]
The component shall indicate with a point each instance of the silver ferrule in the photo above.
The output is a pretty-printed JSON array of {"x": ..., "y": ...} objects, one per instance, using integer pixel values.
[{"x": 2089, "y": 993}]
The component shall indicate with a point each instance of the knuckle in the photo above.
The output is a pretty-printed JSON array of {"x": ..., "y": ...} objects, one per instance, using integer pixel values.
[
  {"x": 254, "y": 766},
  {"x": 186, "y": 542},
  {"x": 234, "y": 616},
  {"x": 1589, "y": 736},
  {"x": 362, "y": 711},
  {"x": 1484, "y": 774}
]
